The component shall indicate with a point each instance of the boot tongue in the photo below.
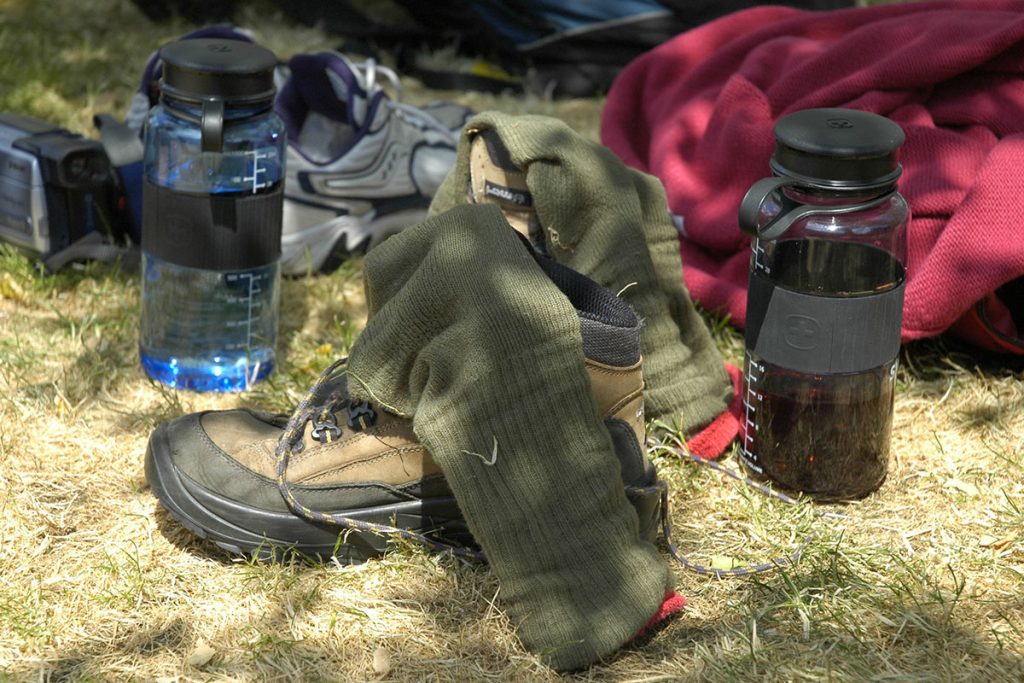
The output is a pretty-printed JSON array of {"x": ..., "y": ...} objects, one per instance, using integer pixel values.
[{"x": 495, "y": 179}]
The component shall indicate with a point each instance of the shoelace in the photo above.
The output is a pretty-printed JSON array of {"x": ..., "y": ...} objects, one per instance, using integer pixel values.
[
  {"x": 736, "y": 572},
  {"x": 369, "y": 70},
  {"x": 290, "y": 442}
]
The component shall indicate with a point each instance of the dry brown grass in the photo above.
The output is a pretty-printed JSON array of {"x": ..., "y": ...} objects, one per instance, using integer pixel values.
[{"x": 922, "y": 581}]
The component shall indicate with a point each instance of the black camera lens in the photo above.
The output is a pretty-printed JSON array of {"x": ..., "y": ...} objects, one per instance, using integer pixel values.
[
  {"x": 84, "y": 168},
  {"x": 77, "y": 167}
]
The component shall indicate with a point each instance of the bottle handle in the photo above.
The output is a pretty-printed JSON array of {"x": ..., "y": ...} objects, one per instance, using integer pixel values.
[
  {"x": 792, "y": 210},
  {"x": 211, "y": 126}
]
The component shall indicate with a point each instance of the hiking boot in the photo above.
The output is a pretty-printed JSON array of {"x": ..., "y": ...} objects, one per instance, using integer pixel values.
[
  {"x": 361, "y": 166},
  {"x": 254, "y": 482},
  {"x": 495, "y": 179},
  {"x": 578, "y": 203}
]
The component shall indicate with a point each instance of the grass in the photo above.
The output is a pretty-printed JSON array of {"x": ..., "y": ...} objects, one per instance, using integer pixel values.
[{"x": 922, "y": 581}]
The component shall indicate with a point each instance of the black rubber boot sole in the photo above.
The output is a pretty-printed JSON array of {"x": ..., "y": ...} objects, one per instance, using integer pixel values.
[
  {"x": 271, "y": 535},
  {"x": 246, "y": 530}
]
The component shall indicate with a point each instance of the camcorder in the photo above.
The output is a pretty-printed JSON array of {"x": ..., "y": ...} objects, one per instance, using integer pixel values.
[{"x": 59, "y": 195}]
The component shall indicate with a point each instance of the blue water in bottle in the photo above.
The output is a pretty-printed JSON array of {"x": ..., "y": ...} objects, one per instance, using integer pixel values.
[{"x": 213, "y": 169}]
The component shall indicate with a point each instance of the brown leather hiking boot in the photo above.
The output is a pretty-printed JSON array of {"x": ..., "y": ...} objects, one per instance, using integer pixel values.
[{"x": 359, "y": 466}]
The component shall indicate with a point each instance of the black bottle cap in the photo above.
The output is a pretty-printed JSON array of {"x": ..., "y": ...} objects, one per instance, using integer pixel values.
[
  {"x": 837, "y": 148},
  {"x": 235, "y": 71}
]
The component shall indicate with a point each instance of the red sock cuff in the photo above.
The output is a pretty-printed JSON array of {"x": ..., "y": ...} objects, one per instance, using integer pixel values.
[
  {"x": 711, "y": 442},
  {"x": 672, "y": 603}
]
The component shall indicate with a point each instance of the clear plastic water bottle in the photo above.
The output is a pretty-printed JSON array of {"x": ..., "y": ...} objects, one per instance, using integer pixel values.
[
  {"x": 824, "y": 304},
  {"x": 212, "y": 200}
]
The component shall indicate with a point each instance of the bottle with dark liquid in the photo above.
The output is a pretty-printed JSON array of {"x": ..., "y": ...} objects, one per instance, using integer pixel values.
[{"x": 824, "y": 305}]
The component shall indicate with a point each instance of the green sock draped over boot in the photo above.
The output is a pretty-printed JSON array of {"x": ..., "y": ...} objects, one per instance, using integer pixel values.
[
  {"x": 611, "y": 223},
  {"x": 469, "y": 337}
]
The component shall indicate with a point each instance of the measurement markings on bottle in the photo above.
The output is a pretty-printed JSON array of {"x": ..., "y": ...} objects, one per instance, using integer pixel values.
[
  {"x": 759, "y": 251},
  {"x": 252, "y": 288},
  {"x": 751, "y": 402},
  {"x": 259, "y": 171}
]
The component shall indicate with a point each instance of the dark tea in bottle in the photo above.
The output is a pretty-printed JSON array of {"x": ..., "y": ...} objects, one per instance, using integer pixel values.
[
  {"x": 824, "y": 305},
  {"x": 826, "y": 436}
]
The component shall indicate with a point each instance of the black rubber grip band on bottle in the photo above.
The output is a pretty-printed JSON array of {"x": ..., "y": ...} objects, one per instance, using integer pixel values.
[
  {"x": 231, "y": 231},
  {"x": 823, "y": 334}
]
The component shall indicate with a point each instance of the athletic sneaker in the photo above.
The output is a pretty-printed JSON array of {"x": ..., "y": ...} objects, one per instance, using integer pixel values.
[
  {"x": 361, "y": 166},
  {"x": 345, "y": 479}
]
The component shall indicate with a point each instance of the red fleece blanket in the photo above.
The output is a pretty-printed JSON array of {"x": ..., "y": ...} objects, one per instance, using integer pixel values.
[{"x": 698, "y": 111}]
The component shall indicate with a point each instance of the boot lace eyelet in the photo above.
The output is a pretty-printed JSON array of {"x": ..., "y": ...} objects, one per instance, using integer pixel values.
[
  {"x": 361, "y": 416},
  {"x": 325, "y": 428}
]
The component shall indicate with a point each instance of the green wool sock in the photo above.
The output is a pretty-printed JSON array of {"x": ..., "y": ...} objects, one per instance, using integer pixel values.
[
  {"x": 470, "y": 338},
  {"x": 610, "y": 223}
]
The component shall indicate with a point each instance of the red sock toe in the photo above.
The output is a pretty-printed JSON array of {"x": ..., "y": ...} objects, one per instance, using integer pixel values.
[{"x": 672, "y": 603}]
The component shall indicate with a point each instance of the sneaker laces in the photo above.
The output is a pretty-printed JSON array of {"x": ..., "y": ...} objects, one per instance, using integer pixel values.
[
  {"x": 369, "y": 69},
  {"x": 325, "y": 397}
]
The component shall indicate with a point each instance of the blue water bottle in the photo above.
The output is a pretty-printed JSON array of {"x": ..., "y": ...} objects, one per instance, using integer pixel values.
[{"x": 212, "y": 199}]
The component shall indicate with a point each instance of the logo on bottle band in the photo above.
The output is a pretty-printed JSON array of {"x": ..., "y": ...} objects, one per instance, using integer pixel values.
[{"x": 802, "y": 332}]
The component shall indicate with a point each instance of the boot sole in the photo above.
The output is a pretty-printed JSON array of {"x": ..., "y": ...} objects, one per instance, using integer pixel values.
[{"x": 231, "y": 525}]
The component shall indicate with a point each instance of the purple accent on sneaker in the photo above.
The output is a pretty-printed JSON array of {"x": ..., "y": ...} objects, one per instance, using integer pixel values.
[
  {"x": 309, "y": 74},
  {"x": 342, "y": 70},
  {"x": 310, "y": 90},
  {"x": 154, "y": 68}
]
